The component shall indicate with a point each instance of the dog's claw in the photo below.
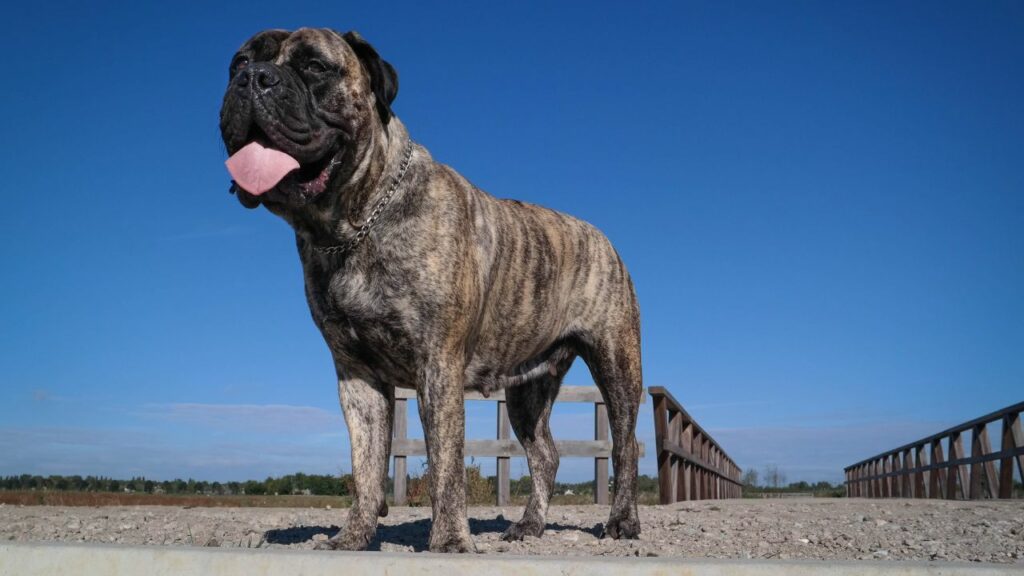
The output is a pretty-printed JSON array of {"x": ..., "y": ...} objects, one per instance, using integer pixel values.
[
  {"x": 622, "y": 529},
  {"x": 345, "y": 541},
  {"x": 521, "y": 530}
]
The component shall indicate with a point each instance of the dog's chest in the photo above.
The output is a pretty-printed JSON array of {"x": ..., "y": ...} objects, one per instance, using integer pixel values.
[{"x": 367, "y": 320}]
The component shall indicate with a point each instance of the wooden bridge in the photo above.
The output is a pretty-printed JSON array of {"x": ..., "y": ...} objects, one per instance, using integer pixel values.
[
  {"x": 691, "y": 465},
  {"x": 923, "y": 469}
]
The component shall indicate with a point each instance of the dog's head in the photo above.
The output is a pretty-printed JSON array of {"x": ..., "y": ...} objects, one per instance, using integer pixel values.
[{"x": 298, "y": 107}]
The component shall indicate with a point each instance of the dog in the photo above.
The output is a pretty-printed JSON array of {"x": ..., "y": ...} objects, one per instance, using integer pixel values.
[{"x": 418, "y": 279}]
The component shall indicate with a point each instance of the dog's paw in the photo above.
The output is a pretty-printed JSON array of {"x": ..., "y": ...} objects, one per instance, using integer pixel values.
[
  {"x": 522, "y": 529},
  {"x": 456, "y": 544},
  {"x": 350, "y": 540},
  {"x": 627, "y": 528}
]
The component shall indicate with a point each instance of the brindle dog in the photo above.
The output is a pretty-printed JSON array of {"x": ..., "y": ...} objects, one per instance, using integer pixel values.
[{"x": 446, "y": 289}]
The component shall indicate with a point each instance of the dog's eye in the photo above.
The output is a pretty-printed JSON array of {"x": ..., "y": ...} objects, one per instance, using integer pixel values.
[
  {"x": 315, "y": 66},
  {"x": 239, "y": 64}
]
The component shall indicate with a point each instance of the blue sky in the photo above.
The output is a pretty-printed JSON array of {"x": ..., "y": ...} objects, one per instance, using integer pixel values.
[{"x": 821, "y": 204}]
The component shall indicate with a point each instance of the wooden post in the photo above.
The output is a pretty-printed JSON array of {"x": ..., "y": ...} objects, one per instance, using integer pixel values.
[
  {"x": 887, "y": 480},
  {"x": 503, "y": 461},
  {"x": 908, "y": 465},
  {"x": 664, "y": 458},
  {"x": 704, "y": 451},
  {"x": 698, "y": 473},
  {"x": 680, "y": 481},
  {"x": 879, "y": 470},
  {"x": 865, "y": 484},
  {"x": 919, "y": 477},
  {"x": 937, "y": 486},
  {"x": 980, "y": 446},
  {"x": 601, "y": 464},
  {"x": 686, "y": 480},
  {"x": 956, "y": 472},
  {"x": 1011, "y": 435},
  {"x": 897, "y": 480},
  {"x": 401, "y": 430},
  {"x": 675, "y": 434}
]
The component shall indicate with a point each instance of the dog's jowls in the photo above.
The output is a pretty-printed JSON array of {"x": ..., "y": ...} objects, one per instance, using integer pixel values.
[{"x": 449, "y": 289}]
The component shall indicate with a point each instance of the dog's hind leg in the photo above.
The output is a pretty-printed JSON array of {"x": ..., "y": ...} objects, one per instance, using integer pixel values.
[
  {"x": 614, "y": 362},
  {"x": 369, "y": 413},
  {"x": 529, "y": 412}
]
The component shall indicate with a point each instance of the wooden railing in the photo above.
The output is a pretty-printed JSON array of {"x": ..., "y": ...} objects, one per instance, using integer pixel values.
[
  {"x": 922, "y": 470},
  {"x": 691, "y": 465},
  {"x": 505, "y": 447}
]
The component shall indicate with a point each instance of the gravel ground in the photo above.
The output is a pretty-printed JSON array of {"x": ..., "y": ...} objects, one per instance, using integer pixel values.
[{"x": 986, "y": 531}]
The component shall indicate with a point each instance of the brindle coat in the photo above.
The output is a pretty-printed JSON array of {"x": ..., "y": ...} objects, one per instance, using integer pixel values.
[{"x": 452, "y": 289}]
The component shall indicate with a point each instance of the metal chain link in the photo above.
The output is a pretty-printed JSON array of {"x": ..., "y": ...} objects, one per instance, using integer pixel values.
[{"x": 365, "y": 228}]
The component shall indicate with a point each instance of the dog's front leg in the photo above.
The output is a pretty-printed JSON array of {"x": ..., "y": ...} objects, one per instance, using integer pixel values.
[
  {"x": 369, "y": 409},
  {"x": 440, "y": 398}
]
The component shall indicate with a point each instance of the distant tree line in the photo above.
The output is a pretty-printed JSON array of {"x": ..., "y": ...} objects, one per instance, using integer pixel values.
[
  {"x": 771, "y": 479},
  {"x": 299, "y": 483}
]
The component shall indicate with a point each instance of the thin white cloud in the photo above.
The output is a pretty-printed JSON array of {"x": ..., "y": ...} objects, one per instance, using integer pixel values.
[
  {"x": 819, "y": 452},
  {"x": 133, "y": 452},
  {"x": 250, "y": 417}
]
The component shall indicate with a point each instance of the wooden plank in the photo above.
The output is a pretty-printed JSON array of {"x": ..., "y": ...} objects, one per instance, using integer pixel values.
[
  {"x": 700, "y": 463},
  {"x": 673, "y": 404},
  {"x": 601, "y": 463},
  {"x": 512, "y": 449},
  {"x": 965, "y": 462},
  {"x": 503, "y": 464},
  {"x": 587, "y": 394},
  {"x": 400, "y": 428}
]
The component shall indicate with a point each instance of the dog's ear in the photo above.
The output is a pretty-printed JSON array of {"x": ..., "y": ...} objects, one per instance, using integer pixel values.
[{"x": 383, "y": 78}]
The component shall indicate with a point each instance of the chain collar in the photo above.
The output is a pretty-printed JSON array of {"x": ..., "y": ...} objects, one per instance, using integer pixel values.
[{"x": 396, "y": 181}]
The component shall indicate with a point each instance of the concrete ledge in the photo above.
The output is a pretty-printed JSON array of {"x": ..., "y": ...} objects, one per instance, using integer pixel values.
[{"x": 111, "y": 560}]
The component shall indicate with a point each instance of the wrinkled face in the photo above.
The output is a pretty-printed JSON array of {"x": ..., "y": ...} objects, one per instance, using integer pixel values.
[{"x": 297, "y": 109}]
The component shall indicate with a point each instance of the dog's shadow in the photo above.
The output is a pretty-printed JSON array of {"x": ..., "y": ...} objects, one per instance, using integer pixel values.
[{"x": 415, "y": 533}]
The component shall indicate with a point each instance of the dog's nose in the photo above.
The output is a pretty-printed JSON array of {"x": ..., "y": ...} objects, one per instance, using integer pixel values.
[{"x": 265, "y": 75}]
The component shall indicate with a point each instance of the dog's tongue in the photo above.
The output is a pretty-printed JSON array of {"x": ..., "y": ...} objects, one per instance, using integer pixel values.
[{"x": 257, "y": 168}]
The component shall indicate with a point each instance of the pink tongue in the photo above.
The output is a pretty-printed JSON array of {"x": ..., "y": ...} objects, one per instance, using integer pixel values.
[{"x": 257, "y": 168}]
